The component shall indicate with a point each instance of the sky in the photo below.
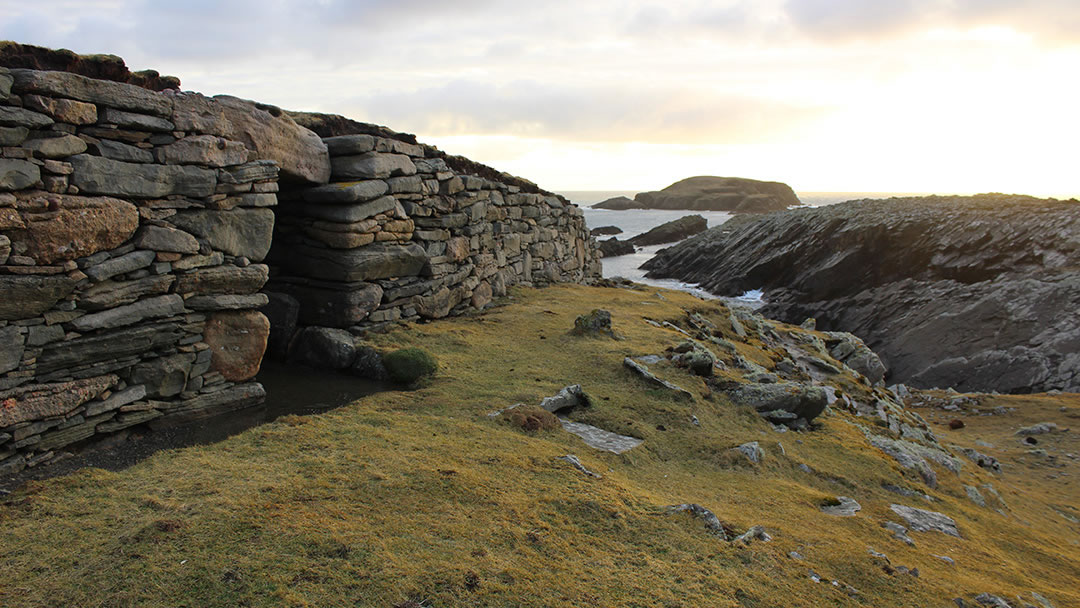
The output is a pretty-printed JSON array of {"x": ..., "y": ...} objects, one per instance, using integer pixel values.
[{"x": 944, "y": 96}]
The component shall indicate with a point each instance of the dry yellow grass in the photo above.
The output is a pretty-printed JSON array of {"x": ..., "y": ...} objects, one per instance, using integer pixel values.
[{"x": 420, "y": 495}]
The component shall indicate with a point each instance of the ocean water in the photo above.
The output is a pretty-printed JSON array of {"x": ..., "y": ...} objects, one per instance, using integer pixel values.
[{"x": 637, "y": 221}]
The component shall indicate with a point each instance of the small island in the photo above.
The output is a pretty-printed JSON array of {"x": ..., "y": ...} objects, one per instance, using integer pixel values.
[{"x": 708, "y": 193}]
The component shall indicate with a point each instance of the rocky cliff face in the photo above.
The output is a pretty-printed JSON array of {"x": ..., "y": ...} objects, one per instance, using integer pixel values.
[
  {"x": 706, "y": 193},
  {"x": 979, "y": 293}
]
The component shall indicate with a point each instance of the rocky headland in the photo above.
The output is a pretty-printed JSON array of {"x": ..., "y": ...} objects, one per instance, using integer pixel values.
[
  {"x": 708, "y": 193},
  {"x": 976, "y": 293},
  {"x": 669, "y": 232}
]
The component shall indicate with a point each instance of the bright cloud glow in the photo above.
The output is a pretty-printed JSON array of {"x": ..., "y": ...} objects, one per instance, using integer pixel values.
[{"x": 826, "y": 95}]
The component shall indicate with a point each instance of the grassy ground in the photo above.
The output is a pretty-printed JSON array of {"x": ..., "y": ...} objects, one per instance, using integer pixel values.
[{"x": 420, "y": 496}]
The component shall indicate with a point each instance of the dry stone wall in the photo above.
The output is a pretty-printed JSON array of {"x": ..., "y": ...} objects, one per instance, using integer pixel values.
[
  {"x": 135, "y": 242},
  {"x": 133, "y": 225},
  {"x": 398, "y": 234}
]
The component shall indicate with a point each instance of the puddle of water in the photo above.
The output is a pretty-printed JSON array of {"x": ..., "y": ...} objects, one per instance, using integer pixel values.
[{"x": 290, "y": 389}]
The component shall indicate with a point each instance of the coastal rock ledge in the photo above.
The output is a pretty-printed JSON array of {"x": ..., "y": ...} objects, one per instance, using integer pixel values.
[
  {"x": 978, "y": 293},
  {"x": 708, "y": 193}
]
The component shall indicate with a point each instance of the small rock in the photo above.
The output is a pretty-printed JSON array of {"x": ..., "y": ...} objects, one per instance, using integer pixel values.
[
  {"x": 595, "y": 323},
  {"x": 577, "y": 465},
  {"x": 847, "y": 507},
  {"x": 1038, "y": 429},
  {"x": 921, "y": 520},
  {"x": 754, "y": 533},
  {"x": 752, "y": 451},
  {"x": 712, "y": 522}
]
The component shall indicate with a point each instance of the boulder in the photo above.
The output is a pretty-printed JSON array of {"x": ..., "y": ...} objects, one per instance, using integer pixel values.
[
  {"x": 58, "y": 227},
  {"x": 772, "y": 399},
  {"x": 568, "y": 398},
  {"x": 323, "y": 348},
  {"x": 269, "y": 133},
  {"x": 921, "y": 520},
  {"x": 752, "y": 451},
  {"x": 675, "y": 230},
  {"x": 368, "y": 364},
  {"x": 595, "y": 323},
  {"x": 97, "y": 175},
  {"x": 237, "y": 340},
  {"x": 236, "y": 232}
]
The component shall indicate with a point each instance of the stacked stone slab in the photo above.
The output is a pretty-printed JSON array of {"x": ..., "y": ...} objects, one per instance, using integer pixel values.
[
  {"x": 132, "y": 227},
  {"x": 398, "y": 235}
]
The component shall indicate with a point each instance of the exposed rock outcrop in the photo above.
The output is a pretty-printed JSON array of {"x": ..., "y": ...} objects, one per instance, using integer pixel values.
[
  {"x": 977, "y": 293},
  {"x": 708, "y": 193},
  {"x": 669, "y": 232}
]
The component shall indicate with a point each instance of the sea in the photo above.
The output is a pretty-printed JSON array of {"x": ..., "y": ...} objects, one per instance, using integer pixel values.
[{"x": 637, "y": 221}]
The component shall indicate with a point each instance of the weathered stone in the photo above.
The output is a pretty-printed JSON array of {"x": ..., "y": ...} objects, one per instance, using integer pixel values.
[
  {"x": 599, "y": 439},
  {"x": 112, "y": 345},
  {"x": 643, "y": 372},
  {"x": 106, "y": 92},
  {"x": 845, "y": 507},
  {"x": 19, "y": 117},
  {"x": 13, "y": 136},
  {"x": 323, "y": 348},
  {"x": 97, "y": 175},
  {"x": 56, "y": 147},
  {"x": 39, "y": 335},
  {"x": 752, "y": 451},
  {"x": 64, "y": 227},
  {"x": 213, "y": 404},
  {"x": 231, "y": 280},
  {"x": 339, "y": 240},
  {"x": 126, "y": 263},
  {"x": 368, "y": 364},
  {"x": 238, "y": 341},
  {"x": 921, "y": 520},
  {"x": 340, "y": 306},
  {"x": 165, "y": 238},
  {"x": 372, "y": 165},
  {"x": 251, "y": 172},
  {"x": 111, "y": 294},
  {"x": 204, "y": 150},
  {"x": 63, "y": 110},
  {"x": 11, "y": 348},
  {"x": 122, "y": 152},
  {"x": 349, "y": 144},
  {"x": 5, "y": 249},
  {"x": 37, "y": 401},
  {"x": 128, "y": 419},
  {"x": 137, "y": 122},
  {"x": 6, "y": 80},
  {"x": 712, "y": 522},
  {"x": 568, "y": 398},
  {"x": 226, "y": 302},
  {"x": 116, "y": 400},
  {"x": 271, "y": 134},
  {"x": 346, "y": 192},
  {"x": 17, "y": 174},
  {"x": 282, "y": 310},
  {"x": 376, "y": 261},
  {"x": 804, "y": 401},
  {"x": 350, "y": 213},
  {"x": 237, "y": 232},
  {"x": 481, "y": 296},
  {"x": 150, "y": 308},
  {"x": 436, "y": 305},
  {"x": 29, "y": 296},
  {"x": 163, "y": 376}
]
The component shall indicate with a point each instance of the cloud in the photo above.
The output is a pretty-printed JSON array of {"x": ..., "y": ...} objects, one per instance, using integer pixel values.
[
  {"x": 612, "y": 113},
  {"x": 1054, "y": 21}
]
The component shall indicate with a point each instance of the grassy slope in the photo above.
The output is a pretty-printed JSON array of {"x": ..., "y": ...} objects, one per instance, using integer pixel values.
[{"x": 420, "y": 495}]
